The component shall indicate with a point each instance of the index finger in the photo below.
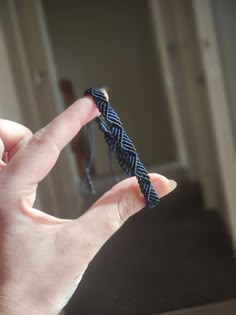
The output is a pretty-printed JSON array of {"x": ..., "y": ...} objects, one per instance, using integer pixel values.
[{"x": 34, "y": 162}]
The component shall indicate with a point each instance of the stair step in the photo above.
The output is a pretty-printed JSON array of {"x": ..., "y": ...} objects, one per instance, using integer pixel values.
[
  {"x": 159, "y": 262},
  {"x": 187, "y": 193},
  {"x": 222, "y": 308}
]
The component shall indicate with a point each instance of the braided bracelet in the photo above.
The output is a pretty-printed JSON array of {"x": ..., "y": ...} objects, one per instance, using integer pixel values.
[{"x": 123, "y": 148}]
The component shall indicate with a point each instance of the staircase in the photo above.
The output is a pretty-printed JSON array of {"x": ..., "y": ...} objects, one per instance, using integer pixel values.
[{"x": 170, "y": 258}]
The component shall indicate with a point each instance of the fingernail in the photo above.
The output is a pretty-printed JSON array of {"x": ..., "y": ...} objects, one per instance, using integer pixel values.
[{"x": 173, "y": 184}]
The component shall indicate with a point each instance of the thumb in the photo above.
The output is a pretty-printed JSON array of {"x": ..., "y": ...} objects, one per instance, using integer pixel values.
[{"x": 108, "y": 214}]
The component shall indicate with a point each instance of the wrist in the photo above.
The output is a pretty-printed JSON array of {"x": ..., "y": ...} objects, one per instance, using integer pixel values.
[
  {"x": 11, "y": 307},
  {"x": 23, "y": 305}
]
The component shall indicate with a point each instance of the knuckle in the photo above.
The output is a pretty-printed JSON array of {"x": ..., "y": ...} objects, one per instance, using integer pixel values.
[
  {"x": 28, "y": 133},
  {"x": 125, "y": 208},
  {"x": 114, "y": 220},
  {"x": 39, "y": 136},
  {"x": 43, "y": 137},
  {"x": 121, "y": 210}
]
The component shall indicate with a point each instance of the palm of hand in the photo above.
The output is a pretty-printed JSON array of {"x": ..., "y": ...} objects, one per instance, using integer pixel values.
[{"x": 43, "y": 257}]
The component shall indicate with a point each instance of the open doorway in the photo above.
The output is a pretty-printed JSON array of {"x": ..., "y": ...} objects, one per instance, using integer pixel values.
[{"x": 110, "y": 44}]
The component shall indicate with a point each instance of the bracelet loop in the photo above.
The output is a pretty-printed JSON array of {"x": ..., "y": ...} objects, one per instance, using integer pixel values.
[{"x": 120, "y": 143}]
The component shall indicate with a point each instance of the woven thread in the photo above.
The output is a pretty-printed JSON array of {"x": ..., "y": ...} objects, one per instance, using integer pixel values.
[
  {"x": 122, "y": 146},
  {"x": 90, "y": 134}
]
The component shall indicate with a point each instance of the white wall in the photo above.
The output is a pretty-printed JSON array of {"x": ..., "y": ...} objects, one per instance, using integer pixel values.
[
  {"x": 23, "y": 101},
  {"x": 225, "y": 21},
  {"x": 9, "y": 106},
  {"x": 100, "y": 43}
]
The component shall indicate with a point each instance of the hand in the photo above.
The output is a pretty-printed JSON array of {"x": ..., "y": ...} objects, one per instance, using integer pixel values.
[{"x": 43, "y": 257}]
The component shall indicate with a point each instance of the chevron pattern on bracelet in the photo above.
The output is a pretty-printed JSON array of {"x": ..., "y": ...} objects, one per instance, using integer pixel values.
[{"x": 123, "y": 148}]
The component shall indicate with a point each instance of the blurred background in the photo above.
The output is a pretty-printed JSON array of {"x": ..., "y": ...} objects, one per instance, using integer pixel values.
[{"x": 170, "y": 69}]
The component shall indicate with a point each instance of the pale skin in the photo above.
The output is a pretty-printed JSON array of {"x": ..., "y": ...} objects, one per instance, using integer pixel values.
[{"x": 42, "y": 258}]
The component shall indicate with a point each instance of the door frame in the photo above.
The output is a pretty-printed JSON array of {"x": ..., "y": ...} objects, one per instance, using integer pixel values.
[{"x": 216, "y": 171}]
